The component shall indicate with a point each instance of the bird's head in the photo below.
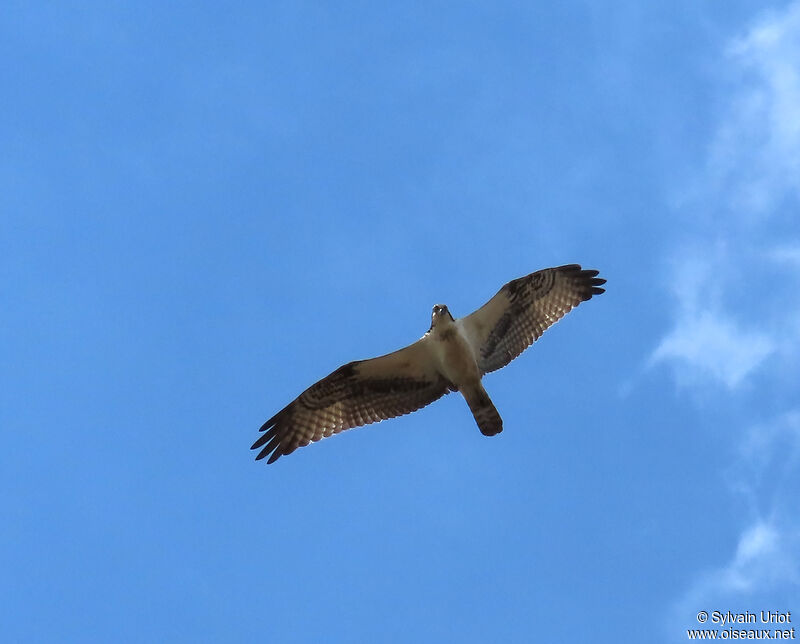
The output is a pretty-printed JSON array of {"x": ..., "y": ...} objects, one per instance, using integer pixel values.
[{"x": 439, "y": 314}]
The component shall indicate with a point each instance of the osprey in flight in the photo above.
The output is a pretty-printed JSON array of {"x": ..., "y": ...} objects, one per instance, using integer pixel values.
[{"x": 452, "y": 356}]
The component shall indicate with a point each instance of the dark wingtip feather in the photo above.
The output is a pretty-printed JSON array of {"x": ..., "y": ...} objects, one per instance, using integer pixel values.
[
  {"x": 589, "y": 274},
  {"x": 265, "y": 437},
  {"x": 270, "y": 422},
  {"x": 589, "y": 280},
  {"x": 269, "y": 437},
  {"x": 274, "y": 448},
  {"x": 260, "y": 441},
  {"x": 595, "y": 284}
]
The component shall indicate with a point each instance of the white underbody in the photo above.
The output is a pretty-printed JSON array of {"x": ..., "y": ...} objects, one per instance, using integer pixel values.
[{"x": 453, "y": 353}]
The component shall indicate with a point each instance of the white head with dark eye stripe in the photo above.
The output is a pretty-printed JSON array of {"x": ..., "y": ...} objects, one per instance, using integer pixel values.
[{"x": 440, "y": 314}]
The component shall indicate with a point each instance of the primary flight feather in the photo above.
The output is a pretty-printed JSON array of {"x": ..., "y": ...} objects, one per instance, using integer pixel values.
[{"x": 453, "y": 355}]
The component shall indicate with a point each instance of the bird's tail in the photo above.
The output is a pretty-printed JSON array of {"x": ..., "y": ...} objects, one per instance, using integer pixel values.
[{"x": 482, "y": 407}]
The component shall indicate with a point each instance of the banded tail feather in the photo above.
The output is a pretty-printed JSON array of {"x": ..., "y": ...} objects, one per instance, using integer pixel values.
[{"x": 486, "y": 415}]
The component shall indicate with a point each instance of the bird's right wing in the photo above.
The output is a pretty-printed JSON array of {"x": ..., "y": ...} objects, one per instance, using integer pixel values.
[
  {"x": 524, "y": 309},
  {"x": 358, "y": 393}
]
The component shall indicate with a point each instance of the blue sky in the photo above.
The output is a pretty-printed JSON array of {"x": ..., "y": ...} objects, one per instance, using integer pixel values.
[{"x": 203, "y": 210}]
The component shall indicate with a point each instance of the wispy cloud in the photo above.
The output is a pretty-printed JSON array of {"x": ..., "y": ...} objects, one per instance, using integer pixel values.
[
  {"x": 767, "y": 465},
  {"x": 764, "y": 556},
  {"x": 755, "y": 155},
  {"x": 786, "y": 254},
  {"x": 751, "y": 171},
  {"x": 737, "y": 311},
  {"x": 767, "y": 555},
  {"x": 706, "y": 342}
]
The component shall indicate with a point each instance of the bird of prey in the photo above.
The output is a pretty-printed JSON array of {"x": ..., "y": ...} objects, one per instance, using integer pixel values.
[{"x": 453, "y": 355}]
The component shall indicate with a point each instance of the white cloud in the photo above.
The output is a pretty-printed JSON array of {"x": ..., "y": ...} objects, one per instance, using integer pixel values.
[
  {"x": 753, "y": 166},
  {"x": 755, "y": 156},
  {"x": 707, "y": 344},
  {"x": 766, "y": 471},
  {"x": 763, "y": 442},
  {"x": 787, "y": 254},
  {"x": 738, "y": 311},
  {"x": 766, "y": 558},
  {"x": 767, "y": 555}
]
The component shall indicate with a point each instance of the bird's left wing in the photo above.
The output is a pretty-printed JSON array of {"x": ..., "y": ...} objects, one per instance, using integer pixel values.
[
  {"x": 523, "y": 309},
  {"x": 358, "y": 393}
]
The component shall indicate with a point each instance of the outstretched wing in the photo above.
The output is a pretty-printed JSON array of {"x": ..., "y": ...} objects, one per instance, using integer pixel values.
[
  {"x": 359, "y": 393},
  {"x": 523, "y": 309}
]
